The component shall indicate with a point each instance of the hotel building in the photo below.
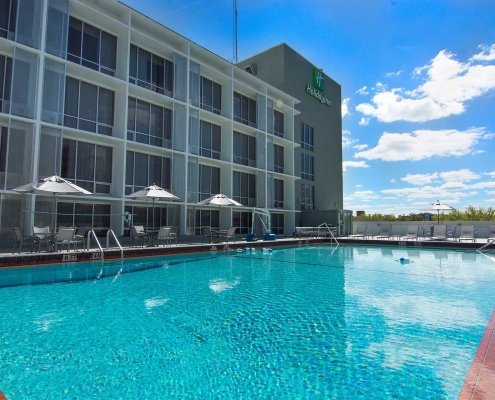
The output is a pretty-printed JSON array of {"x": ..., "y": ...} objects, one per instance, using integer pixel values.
[{"x": 113, "y": 101}]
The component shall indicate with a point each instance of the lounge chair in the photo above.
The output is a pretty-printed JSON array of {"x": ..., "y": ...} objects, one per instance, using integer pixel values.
[
  {"x": 65, "y": 237},
  {"x": 385, "y": 232},
  {"x": 164, "y": 235},
  {"x": 19, "y": 238},
  {"x": 360, "y": 231},
  {"x": 44, "y": 235},
  {"x": 439, "y": 232},
  {"x": 451, "y": 231},
  {"x": 467, "y": 233},
  {"x": 173, "y": 234},
  {"x": 411, "y": 233},
  {"x": 138, "y": 235},
  {"x": 230, "y": 233},
  {"x": 209, "y": 233}
]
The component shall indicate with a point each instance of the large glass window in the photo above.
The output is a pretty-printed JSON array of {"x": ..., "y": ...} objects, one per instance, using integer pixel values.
[
  {"x": 82, "y": 215},
  {"x": 143, "y": 170},
  {"x": 151, "y": 71},
  {"x": 307, "y": 167},
  {"x": 244, "y": 188},
  {"x": 87, "y": 165},
  {"x": 278, "y": 195},
  {"x": 91, "y": 47},
  {"x": 209, "y": 181},
  {"x": 206, "y": 218},
  {"x": 277, "y": 223},
  {"x": 5, "y": 83},
  {"x": 307, "y": 197},
  {"x": 242, "y": 221},
  {"x": 210, "y": 141},
  {"x": 211, "y": 96},
  {"x": 21, "y": 21},
  {"x": 144, "y": 216},
  {"x": 149, "y": 124},
  {"x": 88, "y": 107},
  {"x": 278, "y": 123},
  {"x": 244, "y": 110},
  {"x": 306, "y": 137},
  {"x": 244, "y": 149},
  {"x": 278, "y": 158}
]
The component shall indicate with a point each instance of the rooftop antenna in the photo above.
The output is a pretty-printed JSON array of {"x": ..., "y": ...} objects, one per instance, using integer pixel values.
[{"x": 234, "y": 4}]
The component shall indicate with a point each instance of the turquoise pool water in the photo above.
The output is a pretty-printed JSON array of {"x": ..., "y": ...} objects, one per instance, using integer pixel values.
[{"x": 307, "y": 322}]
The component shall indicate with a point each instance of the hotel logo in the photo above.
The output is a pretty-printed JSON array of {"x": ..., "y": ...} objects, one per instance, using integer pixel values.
[{"x": 318, "y": 79}]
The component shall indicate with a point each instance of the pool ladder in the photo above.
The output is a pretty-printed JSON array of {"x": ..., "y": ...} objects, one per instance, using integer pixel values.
[
  {"x": 102, "y": 252},
  {"x": 486, "y": 245},
  {"x": 331, "y": 229}
]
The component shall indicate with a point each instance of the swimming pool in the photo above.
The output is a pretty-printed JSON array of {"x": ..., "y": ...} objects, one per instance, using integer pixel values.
[{"x": 309, "y": 322}]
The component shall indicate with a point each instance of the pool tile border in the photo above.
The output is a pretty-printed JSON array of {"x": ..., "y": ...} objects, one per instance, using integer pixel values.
[
  {"x": 480, "y": 379},
  {"x": 2, "y": 397}
]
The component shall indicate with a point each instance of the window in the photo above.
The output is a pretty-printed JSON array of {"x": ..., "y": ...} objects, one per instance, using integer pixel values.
[
  {"x": 87, "y": 165},
  {"x": 242, "y": 221},
  {"x": 84, "y": 215},
  {"x": 8, "y": 18},
  {"x": 307, "y": 197},
  {"x": 278, "y": 158},
  {"x": 151, "y": 71},
  {"x": 5, "y": 83},
  {"x": 278, "y": 123},
  {"x": 149, "y": 124},
  {"x": 209, "y": 181},
  {"x": 244, "y": 110},
  {"x": 211, "y": 96},
  {"x": 91, "y": 47},
  {"x": 143, "y": 170},
  {"x": 21, "y": 21},
  {"x": 307, "y": 167},
  {"x": 306, "y": 137},
  {"x": 210, "y": 140},
  {"x": 144, "y": 216},
  {"x": 244, "y": 149},
  {"x": 277, "y": 223},
  {"x": 244, "y": 188},
  {"x": 206, "y": 218},
  {"x": 88, "y": 107},
  {"x": 278, "y": 195}
]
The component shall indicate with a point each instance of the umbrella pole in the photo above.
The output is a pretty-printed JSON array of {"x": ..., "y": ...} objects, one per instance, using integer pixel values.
[
  {"x": 153, "y": 214},
  {"x": 54, "y": 202}
]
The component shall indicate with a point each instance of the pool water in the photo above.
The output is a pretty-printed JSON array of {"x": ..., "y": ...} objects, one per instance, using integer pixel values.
[{"x": 351, "y": 322}]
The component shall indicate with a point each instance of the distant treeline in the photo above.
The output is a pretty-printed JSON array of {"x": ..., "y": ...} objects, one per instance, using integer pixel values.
[{"x": 471, "y": 213}]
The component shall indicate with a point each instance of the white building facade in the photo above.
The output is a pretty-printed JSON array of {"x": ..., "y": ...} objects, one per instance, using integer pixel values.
[{"x": 113, "y": 101}]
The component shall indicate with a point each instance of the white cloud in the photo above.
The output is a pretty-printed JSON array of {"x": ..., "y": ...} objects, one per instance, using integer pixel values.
[
  {"x": 354, "y": 164},
  {"x": 364, "y": 121},
  {"x": 388, "y": 74},
  {"x": 483, "y": 185},
  {"x": 487, "y": 54},
  {"x": 393, "y": 180},
  {"x": 423, "y": 144},
  {"x": 419, "y": 179},
  {"x": 490, "y": 201},
  {"x": 363, "y": 195},
  {"x": 358, "y": 186},
  {"x": 492, "y": 192},
  {"x": 448, "y": 84},
  {"x": 463, "y": 175},
  {"x": 363, "y": 90},
  {"x": 360, "y": 146},
  {"x": 492, "y": 174},
  {"x": 450, "y": 192},
  {"x": 348, "y": 142},
  {"x": 345, "y": 107}
]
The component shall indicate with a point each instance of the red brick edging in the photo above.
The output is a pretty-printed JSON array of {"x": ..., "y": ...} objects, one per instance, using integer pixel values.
[
  {"x": 2, "y": 397},
  {"x": 480, "y": 379}
]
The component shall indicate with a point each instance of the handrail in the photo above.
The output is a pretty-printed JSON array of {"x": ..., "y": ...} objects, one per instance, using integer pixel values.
[
  {"x": 92, "y": 232},
  {"x": 117, "y": 241},
  {"x": 325, "y": 225},
  {"x": 486, "y": 245}
]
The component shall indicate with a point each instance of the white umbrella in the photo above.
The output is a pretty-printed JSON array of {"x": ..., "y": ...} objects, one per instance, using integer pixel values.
[
  {"x": 53, "y": 185},
  {"x": 438, "y": 207},
  {"x": 219, "y": 200},
  {"x": 152, "y": 192}
]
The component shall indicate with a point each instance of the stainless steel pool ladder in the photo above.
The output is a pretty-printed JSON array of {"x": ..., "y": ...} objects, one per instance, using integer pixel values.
[
  {"x": 91, "y": 232},
  {"x": 330, "y": 229},
  {"x": 486, "y": 245},
  {"x": 116, "y": 240}
]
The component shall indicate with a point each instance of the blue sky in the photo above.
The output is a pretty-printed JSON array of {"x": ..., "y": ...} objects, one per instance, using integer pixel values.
[{"x": 418, "y": 86}]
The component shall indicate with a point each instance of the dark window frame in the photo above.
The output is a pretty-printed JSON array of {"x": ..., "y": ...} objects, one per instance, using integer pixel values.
[
  {"x": 210, "y": 147},
  {"x": 242, "y": 221},
  {"x": 307, "y": 197},
  {"x": 165, "y": 180},
  {"x": 245, "y": 110},
  {"x": 245, "y": 192},
  {"x": 244, "y": 149},
  {"x": 278, "y": 193},
  {"x": 307, "y": 167},
  {"x": 278, "y": 158},
  {"x": 278, "y": 123},
  {"x": 307, "y": 137},
  {"x": 211, "y": 101}
]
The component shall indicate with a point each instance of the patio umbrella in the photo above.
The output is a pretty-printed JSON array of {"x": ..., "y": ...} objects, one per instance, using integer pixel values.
[
  {"x": 438, "y": 207},
  {"x": 52, "y": 185},
  {"x": 219, "y": 200},
  {"x": 152, "y": 192}
]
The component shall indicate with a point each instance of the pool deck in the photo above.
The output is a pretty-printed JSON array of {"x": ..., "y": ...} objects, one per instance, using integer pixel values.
[{"x": 480, "y": 380}]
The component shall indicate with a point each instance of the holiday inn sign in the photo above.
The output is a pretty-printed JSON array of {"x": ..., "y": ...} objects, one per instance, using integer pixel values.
[{"x": 319, "y": 84}]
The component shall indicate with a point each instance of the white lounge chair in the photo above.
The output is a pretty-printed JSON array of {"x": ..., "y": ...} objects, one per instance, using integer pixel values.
[
  {"x": 411, "y": 233},
  {"x": 360, "y": 231},
  {"x": 467, "y": 233},
  {"x": 439, "y": 232},
  {"x": 385, "y": 232},
  {"x": 65, "y": 237},
  {"x": 164, "y": 235}
]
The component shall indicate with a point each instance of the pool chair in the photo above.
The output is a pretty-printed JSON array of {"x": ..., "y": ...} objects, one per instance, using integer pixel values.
[
  {"x": 65, "y": 237},
  {"x": 467, "y": 233},
  {"x": 138, "y": 235},
  {"x": 173, "y": 233},
  {"x": 385, "y": 232},
  {"x": 20, "y": 239},
  {"x": 209, "y": 233},
  {"x": 491, "y": 233},
  {"x": 360, "y": 231},
  {"x": 229, "y": 233},
  {"x": 451, "y": 231},
  {"x": 411, "y": 233},
  {"x": 164, "y": 235},
  {"x": 439, "y": 232},
  {"x": 44, "y": 236}
]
